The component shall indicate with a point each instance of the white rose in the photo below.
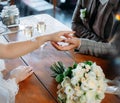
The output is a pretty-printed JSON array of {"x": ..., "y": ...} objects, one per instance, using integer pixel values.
[
  {"x": 84, "y": 87},
  {"x": 75, "y": 81},
  {"x": 83, "y": 99},
  {"x": 90, "y": 75},
  {"x": 78, "y": 72},
  {"x": 83, "y": 80},
  {"x": 70, "y": 101},
  {"x": 98, "y": 71},
  {"x": 79, "y": 93},
  {"x": 69, "y": 91},
  {"x": 102, "y": 85},
  {"x": 87, "y": 68},
  {"x": 90, "y": 96},
  {"x": 77, "y": 87},
  {"x": 61, "y": 95},
  {"x": 81, "y": 64},
  {"x": 100, "y": 95},
  {"x": 66, "y": 82},
  {"x": 93, "y": 65},
  {"x": 89, "y": 83},
  {"x": 92, "y": 83}
]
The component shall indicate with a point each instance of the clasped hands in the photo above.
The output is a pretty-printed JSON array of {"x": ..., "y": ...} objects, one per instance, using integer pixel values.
[{"x": 67, "y": 38}]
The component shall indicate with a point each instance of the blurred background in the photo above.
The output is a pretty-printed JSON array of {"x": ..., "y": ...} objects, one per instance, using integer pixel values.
[{"x": 62, "y": 10}]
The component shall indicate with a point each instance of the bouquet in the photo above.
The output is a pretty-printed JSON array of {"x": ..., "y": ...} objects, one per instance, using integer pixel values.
[{"x": 81, "y": 83}]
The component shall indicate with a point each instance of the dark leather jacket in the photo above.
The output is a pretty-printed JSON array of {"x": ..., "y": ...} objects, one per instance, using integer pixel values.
[{"x": 99, "y": 25}]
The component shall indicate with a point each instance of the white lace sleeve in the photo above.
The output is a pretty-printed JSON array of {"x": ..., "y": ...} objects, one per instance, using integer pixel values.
[{"x": 12, "y": 88}]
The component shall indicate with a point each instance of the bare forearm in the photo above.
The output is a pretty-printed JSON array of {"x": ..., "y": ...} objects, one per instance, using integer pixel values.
[
  {"x": 14, "y": 50},
  {"x": 17, "y": 49}
]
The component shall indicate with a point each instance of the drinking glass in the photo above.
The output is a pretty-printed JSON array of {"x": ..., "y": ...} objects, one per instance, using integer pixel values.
[
  {"x": 41, "y": 27},
  {"x": 28, "y": 31}
]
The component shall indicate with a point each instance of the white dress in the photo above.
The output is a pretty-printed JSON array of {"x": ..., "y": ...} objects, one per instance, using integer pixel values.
[{"x": 8, "y": 88}]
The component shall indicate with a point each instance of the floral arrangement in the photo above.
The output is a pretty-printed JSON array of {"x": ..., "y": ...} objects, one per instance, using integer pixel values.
[
  {"x": 81, "y": 83},
  {"x": 83, "y": 13}
]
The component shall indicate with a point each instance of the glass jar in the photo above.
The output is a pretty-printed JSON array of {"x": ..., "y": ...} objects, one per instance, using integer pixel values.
[{"x": 10, "y": 16}]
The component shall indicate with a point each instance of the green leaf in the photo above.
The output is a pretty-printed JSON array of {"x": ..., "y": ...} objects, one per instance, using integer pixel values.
[
  {"x": 88, "y": 63},
  {"x": 54, "y": 75},
  {"x": 75, "y": 65},
  {"x": 58, "y": 67},
  {"x": 61, "y": 66},
  {"x": 54, "y": 69},
  {"x": 68, "y": 72},
  {"x": 59, "y": 78},
  {"x": 61, "y": 100}
]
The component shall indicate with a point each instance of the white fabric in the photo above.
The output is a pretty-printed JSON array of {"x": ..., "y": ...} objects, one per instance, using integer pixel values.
[
  {"x": 4, "y": 95},
  {"x": 2, "y": 65},
  {"x": 8, "y": 88}
]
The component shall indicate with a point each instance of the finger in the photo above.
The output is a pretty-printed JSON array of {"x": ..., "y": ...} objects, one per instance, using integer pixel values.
[
  {"x": 66, "y": 33},
  {"x": 29, "y": 73},
  {"x": 70, "y": 41},
  {"x": 61, "y": 39},
  {"x": 29, "y": 69},
  {"x": 58, "y": 47},
  {"x": 64, "y": 37},
  {"x": 64, "y": 48},
  {"x": 70, "y": 32},
  {"x": 69, "y": 47},
  {"x": 54, "y": 43},
  {"x": 69, "y": 36}
]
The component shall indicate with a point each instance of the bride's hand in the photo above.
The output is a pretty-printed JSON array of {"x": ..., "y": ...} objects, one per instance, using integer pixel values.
[
  {"x": 61, "y": 36},
  {"x": 21, "y": 73}
]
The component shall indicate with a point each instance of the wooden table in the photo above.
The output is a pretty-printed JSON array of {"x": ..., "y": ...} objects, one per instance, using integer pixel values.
[{"x": 41, "y": 87}]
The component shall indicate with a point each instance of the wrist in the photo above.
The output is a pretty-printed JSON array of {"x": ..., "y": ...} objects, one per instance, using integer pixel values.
[
  {"x": 78, "y": 46},
  {"x": 42, "y": 39}
]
